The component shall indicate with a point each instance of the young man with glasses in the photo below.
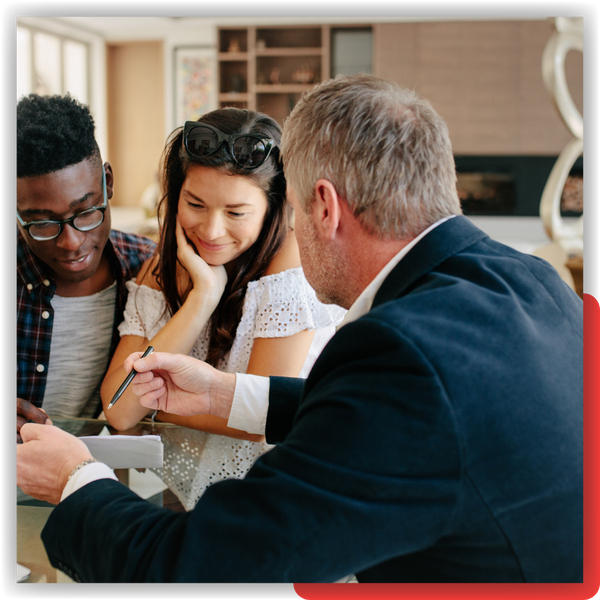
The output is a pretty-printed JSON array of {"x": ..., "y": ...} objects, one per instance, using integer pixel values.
[{"x": 71, "y": 268}]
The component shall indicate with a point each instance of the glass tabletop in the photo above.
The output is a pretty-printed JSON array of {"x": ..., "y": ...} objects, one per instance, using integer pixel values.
[
  {"x": 192, "y": 461},
  {"x": 147, "y": 483},
  {"x": 32, "y": 514}
]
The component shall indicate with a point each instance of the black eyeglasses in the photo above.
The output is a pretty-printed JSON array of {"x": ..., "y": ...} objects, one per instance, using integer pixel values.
[
  {"x": 247, "y": 150},
  {"x": 86, "y": 220}
]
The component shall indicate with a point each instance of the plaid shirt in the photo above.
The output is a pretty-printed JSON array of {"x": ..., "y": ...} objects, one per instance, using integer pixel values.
[{"x": 35, "y": 316}]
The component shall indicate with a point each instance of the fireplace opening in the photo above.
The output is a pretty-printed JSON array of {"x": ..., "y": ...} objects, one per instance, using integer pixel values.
[
  {"x": 513, "y": 185},
  {"x": 486, "y": 193}
]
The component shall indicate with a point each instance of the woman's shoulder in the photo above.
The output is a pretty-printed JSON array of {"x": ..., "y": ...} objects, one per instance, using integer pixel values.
[
  {"x": 146, "y": 275},
  {"x": 287, "y": 258}
]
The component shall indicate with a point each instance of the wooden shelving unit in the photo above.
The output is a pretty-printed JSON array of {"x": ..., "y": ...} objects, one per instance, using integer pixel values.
[{"x": 268, "y": 68}]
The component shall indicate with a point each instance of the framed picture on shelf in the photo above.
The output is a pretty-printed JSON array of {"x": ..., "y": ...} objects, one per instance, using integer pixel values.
[{"x": 195, "y": 84}]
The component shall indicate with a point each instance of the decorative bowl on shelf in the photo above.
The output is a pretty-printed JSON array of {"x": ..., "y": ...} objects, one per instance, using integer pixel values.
[{"x": 303, "y": 75}]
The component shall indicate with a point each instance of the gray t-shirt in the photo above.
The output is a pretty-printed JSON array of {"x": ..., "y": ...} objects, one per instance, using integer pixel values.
[{"x": 79, "y": 353}]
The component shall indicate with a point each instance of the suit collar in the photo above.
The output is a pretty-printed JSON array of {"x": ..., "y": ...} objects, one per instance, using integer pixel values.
[{"x": 443, "y": 242}]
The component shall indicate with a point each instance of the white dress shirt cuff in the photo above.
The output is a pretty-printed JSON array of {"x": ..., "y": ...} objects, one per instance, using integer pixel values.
[
  {"x": 250, "y": 404},
  {"x": 86, "y": 475}
]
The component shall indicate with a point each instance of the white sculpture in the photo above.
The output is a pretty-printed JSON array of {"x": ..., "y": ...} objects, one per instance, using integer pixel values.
[{"x": 568, "y": 36}]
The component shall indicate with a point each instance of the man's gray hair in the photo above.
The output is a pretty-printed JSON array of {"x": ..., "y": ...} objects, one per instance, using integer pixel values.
[{"x": 384, "y": 149}]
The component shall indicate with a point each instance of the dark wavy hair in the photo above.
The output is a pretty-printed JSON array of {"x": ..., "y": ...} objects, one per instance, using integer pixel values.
[
  {"x": 53, "y": 132},
  {"x": 252, "y": 264}
]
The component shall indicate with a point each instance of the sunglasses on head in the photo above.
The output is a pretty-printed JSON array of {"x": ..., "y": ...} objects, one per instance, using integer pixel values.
[{"x": 247, "y": 150}]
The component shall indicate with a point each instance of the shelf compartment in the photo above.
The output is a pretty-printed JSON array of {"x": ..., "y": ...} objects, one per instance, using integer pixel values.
[
  {"x": 233, "y": 38},
  {"x": 288, "y": 37},
  {"x": 233, "y": 77},
  {"x": 287, "y": 68}
]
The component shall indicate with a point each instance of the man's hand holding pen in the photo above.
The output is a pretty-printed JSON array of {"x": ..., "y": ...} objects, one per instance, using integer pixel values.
[
  {"x": 181, "y": 385},
  {"x": 128, "y": 379}
]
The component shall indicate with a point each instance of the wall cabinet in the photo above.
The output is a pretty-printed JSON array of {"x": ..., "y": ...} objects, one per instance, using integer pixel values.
[
  {"x": 483, "y": 77},
  {"x": 268, "y": 68}
]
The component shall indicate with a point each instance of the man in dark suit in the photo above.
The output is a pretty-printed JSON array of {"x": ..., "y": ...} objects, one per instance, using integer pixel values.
[{"x": 438, "y": 437}]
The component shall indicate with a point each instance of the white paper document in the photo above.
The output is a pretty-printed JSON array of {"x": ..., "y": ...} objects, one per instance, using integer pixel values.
[
  {"x": 23, "y": 573},
  {"x": 126, "y": 451}
]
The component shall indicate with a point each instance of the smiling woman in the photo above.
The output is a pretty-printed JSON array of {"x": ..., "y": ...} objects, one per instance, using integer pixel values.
[
  {"x": 221, "y": 214},
  {"x": 226, "y": 286}
]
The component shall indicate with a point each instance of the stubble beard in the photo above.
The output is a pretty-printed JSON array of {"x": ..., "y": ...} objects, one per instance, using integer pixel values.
[{"x": 324, "y": 270}]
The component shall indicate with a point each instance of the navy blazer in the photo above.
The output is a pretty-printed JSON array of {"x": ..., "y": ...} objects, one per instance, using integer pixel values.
[{"x": 439, "y": 438}]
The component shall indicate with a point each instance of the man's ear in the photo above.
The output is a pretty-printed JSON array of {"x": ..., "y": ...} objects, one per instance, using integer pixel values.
[
  {"x": 326, "y": 209},
  {"x": 110, "y": 179}
]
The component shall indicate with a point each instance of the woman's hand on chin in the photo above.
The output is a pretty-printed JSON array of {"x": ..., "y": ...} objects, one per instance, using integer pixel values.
[{"x": 207, "y": 280}]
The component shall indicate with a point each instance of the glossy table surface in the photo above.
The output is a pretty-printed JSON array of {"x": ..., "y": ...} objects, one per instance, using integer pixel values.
[{"x": 32, "y": 514}]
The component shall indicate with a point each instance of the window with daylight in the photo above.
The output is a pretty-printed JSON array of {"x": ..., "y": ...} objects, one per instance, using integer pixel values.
[{"x": 48, "y": 63}]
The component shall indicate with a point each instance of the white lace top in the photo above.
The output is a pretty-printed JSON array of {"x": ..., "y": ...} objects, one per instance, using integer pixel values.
[{"x": 275, "y": 306}]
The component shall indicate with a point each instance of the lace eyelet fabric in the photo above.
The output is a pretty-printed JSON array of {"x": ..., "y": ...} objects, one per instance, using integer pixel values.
[
  {"x": 194, "y": 460},
  {"x": 275, "y": 306}
]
